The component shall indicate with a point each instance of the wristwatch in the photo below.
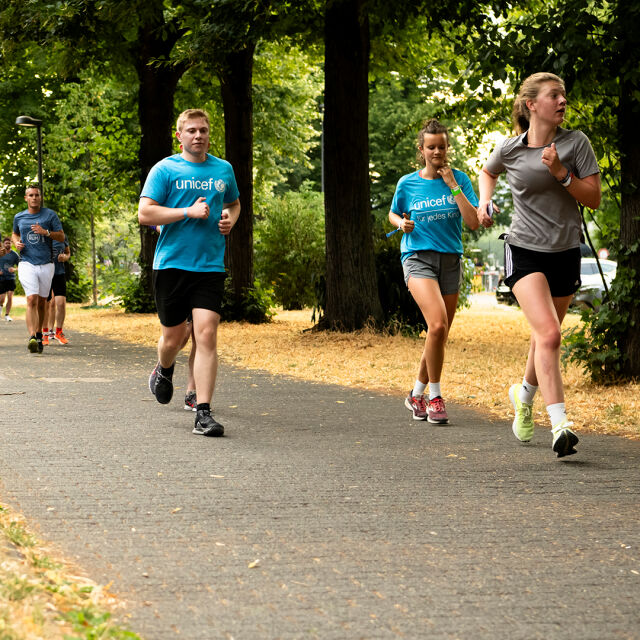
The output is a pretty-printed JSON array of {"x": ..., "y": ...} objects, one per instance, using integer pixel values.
[{"x": 48, "y": 233}]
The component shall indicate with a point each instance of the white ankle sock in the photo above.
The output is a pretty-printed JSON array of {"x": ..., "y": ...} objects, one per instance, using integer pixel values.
[
  {"x": 434, "y": 390},
  {"x": 527, "y": 391},
  {"x": 557, "y": 413},
  {"x": 418, "y": 388}
]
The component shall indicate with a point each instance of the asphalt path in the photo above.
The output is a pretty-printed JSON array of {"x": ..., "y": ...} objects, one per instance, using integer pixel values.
[{"x": 324, "y": 512}]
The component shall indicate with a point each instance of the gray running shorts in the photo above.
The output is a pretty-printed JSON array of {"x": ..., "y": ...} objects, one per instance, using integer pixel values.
[{"x": 446, "y": 268}]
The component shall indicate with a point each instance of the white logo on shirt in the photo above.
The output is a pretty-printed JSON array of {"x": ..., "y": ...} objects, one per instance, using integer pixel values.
[
  {"x": 204, "y": 185},
  {"x": 431, "y": 203}
]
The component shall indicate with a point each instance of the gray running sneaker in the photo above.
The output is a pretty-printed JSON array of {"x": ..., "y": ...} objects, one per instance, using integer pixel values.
[{"x": 190, "y": 402}]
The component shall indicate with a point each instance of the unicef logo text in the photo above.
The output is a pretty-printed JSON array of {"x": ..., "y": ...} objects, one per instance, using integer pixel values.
[{"x": 203, "y": 185}]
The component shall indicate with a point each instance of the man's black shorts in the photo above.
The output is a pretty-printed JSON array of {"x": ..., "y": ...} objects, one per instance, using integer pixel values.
[
  {"x": 58, "y": 285},
  {"x": 177, "y": 292},
  {"x": 562, "y": 268},
  {"x": 7, "y": 285}
]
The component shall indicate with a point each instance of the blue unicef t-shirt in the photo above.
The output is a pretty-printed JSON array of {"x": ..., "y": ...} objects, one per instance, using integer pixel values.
[
  {"x": 37, "y": 248},
  {"x": 58, "y": 248},
  {"x": 9, "y": 259},
  {"x": 190, "y": 244},
  {"x": 438, "y": 222}
]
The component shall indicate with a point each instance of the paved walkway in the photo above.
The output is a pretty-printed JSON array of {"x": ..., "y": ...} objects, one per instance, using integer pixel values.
[{"x": 324, "y": 513}]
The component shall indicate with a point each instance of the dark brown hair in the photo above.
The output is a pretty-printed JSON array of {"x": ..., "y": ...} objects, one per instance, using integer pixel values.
[{"x": 429, "y": 126}]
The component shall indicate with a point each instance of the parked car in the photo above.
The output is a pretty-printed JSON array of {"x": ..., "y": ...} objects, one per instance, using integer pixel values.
[
  {"x": 504, "y": 294},
  {"x": 592, "y": 287}
]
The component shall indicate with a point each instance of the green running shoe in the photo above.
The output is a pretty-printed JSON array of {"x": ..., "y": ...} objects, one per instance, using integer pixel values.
[
  {"x": 33, "y": 345},
  {"x": 523, "y": 422}
]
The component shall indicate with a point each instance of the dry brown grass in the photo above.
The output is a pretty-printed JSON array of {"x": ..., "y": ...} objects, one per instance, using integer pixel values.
[
  {"x": 42, "y": 596},
  {"x": 486, "y": 353}
]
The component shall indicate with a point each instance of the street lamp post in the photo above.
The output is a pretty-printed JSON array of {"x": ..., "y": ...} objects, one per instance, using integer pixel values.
[{"x": 28, "y": 121}]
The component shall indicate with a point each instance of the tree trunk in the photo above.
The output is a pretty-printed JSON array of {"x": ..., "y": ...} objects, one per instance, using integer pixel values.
[
  {"x": 352, "y": 297},
  {"x": 629, "y": 136},
  {"x": 157, "y": 86},
  {"x": 235, "y": 87}
]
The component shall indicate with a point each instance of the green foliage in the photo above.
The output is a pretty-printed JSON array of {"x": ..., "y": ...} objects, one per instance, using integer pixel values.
[
  {"x": 255, "y": 305},
  {"x": 93, "y": 625},
  {"x": 79, "y": 290},
  {"x": 18, "y": 535},
  {"x": 596, "y": 345},
  {"x": 290, "y": 246},
  {"x": 135, "y": 297}
]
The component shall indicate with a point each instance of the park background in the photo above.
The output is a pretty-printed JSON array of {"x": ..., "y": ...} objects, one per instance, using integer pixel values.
[{"x": 317, "y": 106}]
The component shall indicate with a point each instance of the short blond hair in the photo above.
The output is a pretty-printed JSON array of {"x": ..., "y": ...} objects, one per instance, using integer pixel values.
[
  {"x": 191, "y": 114},
  {"x": 529, "y": 90}
]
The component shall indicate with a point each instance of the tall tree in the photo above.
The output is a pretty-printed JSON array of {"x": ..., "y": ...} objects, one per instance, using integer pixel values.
[
  {"x": 627, "y": 29},
  {"x": 352, "y": 296},
  {"x": 227, "y": 39}
]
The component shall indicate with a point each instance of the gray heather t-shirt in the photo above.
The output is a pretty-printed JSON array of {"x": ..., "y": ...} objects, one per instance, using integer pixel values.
[{"x": 546, "y": 216}]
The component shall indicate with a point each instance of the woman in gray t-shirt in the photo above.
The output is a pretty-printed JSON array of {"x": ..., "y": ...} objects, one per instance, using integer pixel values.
[{"x": 550, "y": 170}]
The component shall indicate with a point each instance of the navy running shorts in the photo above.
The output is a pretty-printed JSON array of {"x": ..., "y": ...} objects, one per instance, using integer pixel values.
[{"x": 7, "y": 285}]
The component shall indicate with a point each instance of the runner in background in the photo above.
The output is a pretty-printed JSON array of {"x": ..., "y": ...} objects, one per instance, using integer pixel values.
[
  {"x": 57, "y": 302},
  {"x": 429, "y": 206},
  {"x": 8, "y": 267}
]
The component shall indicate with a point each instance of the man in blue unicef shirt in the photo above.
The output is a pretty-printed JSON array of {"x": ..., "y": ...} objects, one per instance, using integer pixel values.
[
  {"x": 33, "y": 232},
  {"x": 194, "y": 196}
]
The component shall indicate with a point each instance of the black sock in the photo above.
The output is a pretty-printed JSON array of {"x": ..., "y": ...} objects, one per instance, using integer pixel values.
[
  {"x": 204, "y": 406},
  {"x": 38, "y": 335},
  {"x": 168, "y": 372}
]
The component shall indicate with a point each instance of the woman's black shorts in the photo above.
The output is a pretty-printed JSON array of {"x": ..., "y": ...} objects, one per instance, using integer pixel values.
[
  {"x": 177, "y": 292},
  {"x": 561, "y": 268}
]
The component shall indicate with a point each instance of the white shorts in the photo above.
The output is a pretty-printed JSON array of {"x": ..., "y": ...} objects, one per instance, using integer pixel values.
[{"x": 36, "y": 278}]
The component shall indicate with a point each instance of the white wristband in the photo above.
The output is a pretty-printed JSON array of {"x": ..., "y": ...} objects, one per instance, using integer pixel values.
[{"x": 184, "y": 213}]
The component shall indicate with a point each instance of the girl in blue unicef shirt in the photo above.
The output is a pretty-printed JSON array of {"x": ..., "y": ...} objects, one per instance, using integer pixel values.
[{"x": 428, "y": 207}]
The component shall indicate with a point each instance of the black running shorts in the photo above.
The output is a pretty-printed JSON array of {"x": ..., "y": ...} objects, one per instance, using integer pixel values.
[
  {"x": 177, "y": 292},
  {"x": 561, "y": 268},
  {"x": 58, "y": 285},
  {"x": 7, "y": 285}
]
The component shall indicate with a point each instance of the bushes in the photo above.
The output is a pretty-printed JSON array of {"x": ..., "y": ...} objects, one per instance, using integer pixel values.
[
  {"x": 597, "y": 345},
  {"x": 289, "y": 247},
  {"x": 79, "y": 290}
]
